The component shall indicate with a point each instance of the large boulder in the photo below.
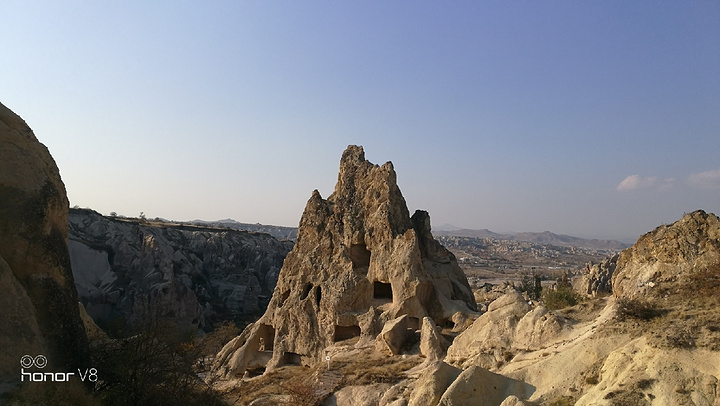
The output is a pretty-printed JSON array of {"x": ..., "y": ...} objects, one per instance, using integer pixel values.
[
  {"x": 40, "y": 313},
  {"x": 478, "y": 386},
  {"x": 432, "y": 344},
  {"x": 360, "y": 260},
  {"x": 431, "y": 385}
]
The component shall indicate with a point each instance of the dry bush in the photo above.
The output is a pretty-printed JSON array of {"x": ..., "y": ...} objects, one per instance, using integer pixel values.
[
  {"x": 705, "y": 283},
  {"x": 637, "y": 309},
  {"x": 562, "y": 401},
  {"x": 153, "y": 366},
  {"x": 591, "y": 380},
  {"x": 301, "y": 393},
  {"x": 370, "y": 369},
  {"x": 267, "y": 385}
]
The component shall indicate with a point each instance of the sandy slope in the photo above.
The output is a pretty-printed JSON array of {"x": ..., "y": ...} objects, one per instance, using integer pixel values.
[{"x": 597, "y": 363}]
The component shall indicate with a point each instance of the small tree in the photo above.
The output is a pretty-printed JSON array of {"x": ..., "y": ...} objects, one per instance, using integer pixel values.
[{"x": 531, "y": 284}]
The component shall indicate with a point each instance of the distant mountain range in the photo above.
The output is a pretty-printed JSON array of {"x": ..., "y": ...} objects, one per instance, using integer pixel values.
[{"x": 544, "y": 238}]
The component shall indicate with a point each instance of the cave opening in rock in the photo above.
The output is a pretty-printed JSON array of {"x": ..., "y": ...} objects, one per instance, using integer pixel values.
[
  {"x": 306, "y": 290},
  {"x": 413, "y": 323},
  {"x": 318, "y": 295},
  {"x": 256, "y": 371},
  {"x": 345, "y": 333},
  {"x": 267, "y": 337},
  {"x": 360, "y": 256},
  {"x": 291, "y": 358},
  {"x": 382, "y": 291},
  {"x": 285, "y": 295}
]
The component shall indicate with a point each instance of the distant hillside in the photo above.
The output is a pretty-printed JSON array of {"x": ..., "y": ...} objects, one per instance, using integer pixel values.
[
  {"x": 279, "y": 232},
  {"x": 544, "y": 238}
]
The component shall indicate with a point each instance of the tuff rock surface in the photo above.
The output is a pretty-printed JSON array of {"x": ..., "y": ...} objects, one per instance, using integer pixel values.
[
  {"x": 39, "y": 313},
  {"x": 510, "y": 325},
  {"x": 670, "y": 256},
  {"x": 128, "y": 271},
  {"x": 360, "y": 260},
  {"x": 596, "y": 278}
]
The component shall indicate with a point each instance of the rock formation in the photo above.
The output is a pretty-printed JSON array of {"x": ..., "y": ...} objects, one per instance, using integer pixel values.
[
  {"x": 669, "y": 257},
  {"x": 127, "y": 271},
  {"x": 40, "y": 313},
  {"x": 596, "y": 278},
  {"x": 509, "y": 326},
  {"x": 360, "y": 261}
]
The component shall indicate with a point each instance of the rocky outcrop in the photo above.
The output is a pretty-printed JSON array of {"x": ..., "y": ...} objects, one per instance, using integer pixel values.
[
  {"x": 39, "y": 303},
  {"x": 476, "y": 383},
  {"x": 510, "y": 325},
  {"x": 360, "y": 261},
  {"x": 432, "y": 344},
  {"x": 129, "y": 271},
  {"x": 596, "y": 278},
  {"x": 670, "y": 258}
]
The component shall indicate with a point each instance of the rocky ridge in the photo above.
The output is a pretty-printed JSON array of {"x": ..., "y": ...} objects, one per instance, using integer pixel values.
[
  {"x": 361, "y": 265},
  {"x": 128, "y": 271},
  {"x": 651, "y": 342},
  {"x": 39, "y": 313}
]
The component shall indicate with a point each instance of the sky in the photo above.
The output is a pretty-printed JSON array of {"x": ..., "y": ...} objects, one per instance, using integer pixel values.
[{"x": 595, "y": 119}]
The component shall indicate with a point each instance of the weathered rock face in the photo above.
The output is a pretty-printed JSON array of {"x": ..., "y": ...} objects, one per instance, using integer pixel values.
[
  {"x": 360, "y": 260},
  {"x": 128, "y": 271},
  {"x": 596, "y": 278},
  {"x": 669, "y": 257},
  {"x": 510, "y": 325},
  {"x": 39, "y": 303}
]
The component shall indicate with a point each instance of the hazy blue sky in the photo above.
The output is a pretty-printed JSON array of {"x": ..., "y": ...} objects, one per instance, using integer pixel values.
[{"x": 588, "y": 118}]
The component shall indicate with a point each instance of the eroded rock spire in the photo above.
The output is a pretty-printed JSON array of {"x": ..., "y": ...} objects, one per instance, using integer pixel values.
[{"x": 360, "y": 261}]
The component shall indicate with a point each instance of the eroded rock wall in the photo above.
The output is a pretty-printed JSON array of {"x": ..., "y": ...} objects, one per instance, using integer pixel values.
[
  {"x": 129, "y": 272},
  {"x": 39, "y": 303}
]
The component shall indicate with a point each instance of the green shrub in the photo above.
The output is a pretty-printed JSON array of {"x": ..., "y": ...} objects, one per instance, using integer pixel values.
[
  {"x": 562, "y": 296},
  {"x": 531, "y": 284}
]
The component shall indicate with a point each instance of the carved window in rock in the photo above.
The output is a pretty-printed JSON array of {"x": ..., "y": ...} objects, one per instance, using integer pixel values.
[
  {"x": 382, "y": 291},
  {"x": 291, "y": 358},
  {"x": 318, "y": 295},
  {"x": 345, "y": 333},
  {"x": 360, "y": 256},
  {"x": 306, "y": 290},
  {"x": 267, "y": 337}
]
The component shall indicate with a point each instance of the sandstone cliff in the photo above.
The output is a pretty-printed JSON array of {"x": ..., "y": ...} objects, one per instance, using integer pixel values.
[
  {"x": 39, "y": 303},
  {"x": 360, "y": 261},
  {"x": 128, "y": 271}
]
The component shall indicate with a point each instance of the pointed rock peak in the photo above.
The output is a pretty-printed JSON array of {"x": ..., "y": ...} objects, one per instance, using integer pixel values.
[
  {"x": 359, "y": 263},
  {"x": 353, "y": 155}
]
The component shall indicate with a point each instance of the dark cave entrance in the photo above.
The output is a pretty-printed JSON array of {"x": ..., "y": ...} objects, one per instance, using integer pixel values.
[
  {"x": 360, "y": 256},
  {"x": 382, "y": 291},
  {"x": 343, "y": 333}
]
